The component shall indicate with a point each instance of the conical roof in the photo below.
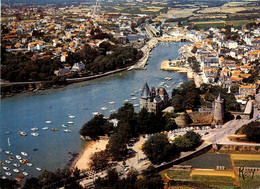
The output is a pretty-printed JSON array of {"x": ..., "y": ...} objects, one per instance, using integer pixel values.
[
  {"x": 219, "y": 98},
  {"x": 145, "y": 92}
]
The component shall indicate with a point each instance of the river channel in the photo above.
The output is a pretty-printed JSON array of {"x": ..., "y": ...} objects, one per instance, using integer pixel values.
[{"x": 52, "y": 149}]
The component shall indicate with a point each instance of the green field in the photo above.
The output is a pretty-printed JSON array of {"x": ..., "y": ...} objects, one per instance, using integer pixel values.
[
  {"x": 250, "y": 182},
  {"x": 246, "y": 163},
  {"x": 215, "y": 181},
  {"x": 178, "y": 174},
  {"x": 210, "y": 161}
]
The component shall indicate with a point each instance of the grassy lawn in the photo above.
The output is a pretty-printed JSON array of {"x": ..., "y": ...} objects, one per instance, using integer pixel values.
[
  {"x": 249, "y": 182},
  {"x": 246, "y": 163},
  {"x": 178, "y": 174},
  {"x": 248, "y": 157},
  {"x": 215, "y": 181}
]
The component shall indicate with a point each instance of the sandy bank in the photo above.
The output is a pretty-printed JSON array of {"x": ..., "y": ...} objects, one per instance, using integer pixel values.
[
  {"x": 166, "y": 66},
  {"x": 82, "y": 162}
]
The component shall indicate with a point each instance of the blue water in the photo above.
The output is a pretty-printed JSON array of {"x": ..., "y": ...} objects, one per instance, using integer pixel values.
[{"x": 25, "y": 111}]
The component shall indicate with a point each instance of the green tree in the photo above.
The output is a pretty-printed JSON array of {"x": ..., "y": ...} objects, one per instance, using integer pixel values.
[
  {"x": 116, "y": 147},
  {"x": 8, "y": 184},
  {"x": 94, "y": 127},
  {"x": 182, "y": 143},
  {"x": 99, "y": 160},
  {"x": 32, "y": 183},
  {"x": 193, "y": 137},
  {"x": 158, "y": 149}
]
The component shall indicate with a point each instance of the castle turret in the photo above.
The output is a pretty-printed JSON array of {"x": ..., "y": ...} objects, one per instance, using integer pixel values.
[
  {"x": 218, "y": 111},
  {"x": 145, "y": 97}
]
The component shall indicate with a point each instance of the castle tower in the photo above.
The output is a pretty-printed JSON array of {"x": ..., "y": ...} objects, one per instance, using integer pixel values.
[
  {"x": 218, "y": 111},
  {"x": 145, "y": 97}
]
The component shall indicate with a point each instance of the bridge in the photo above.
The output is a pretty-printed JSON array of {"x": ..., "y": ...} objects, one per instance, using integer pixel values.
[{"x": 151, "y": 31}]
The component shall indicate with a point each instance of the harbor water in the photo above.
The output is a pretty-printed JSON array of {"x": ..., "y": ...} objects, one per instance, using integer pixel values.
[{"x": 54, "y": 149}]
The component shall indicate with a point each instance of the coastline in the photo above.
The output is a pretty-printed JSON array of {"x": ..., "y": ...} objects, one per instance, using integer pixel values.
[{"x": 83, "y": 159}]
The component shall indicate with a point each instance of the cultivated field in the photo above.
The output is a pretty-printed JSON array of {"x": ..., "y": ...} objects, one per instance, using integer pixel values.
[{"x": 254, "y": 157}]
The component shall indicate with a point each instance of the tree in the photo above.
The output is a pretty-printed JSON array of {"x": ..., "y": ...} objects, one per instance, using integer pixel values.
[
  {"x": 193, "y": 137},
  {"x": 32, "y": 183},
  {"x": 185, "y": 97},
  {"x": 182, "y": 143},
  {"x": 94, "y": 127},
  {"x": 151, "y": 179},
  {"x": 8, "y": 184},
  {"x": 116, "y": 147},
  {"x": 143, "y": 121},
  {"x": 99, "y": 160},
  {"x": 158, "y": 149}
]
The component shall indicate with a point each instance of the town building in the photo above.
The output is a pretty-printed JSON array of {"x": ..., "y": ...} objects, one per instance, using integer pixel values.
[{"x": 153, "y": 100}]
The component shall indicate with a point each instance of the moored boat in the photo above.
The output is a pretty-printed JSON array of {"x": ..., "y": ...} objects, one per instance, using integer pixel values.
[
  {"x": 16, "y": 165},
  {"x": 38, "y": 169},
  {"x": 25, "y": 173},
  {"x": 48, "y": 122},
  {"x": 24, "y": 153},
  {"x": 16, "y": 170},
  {"x": 17, "y": 179},
  {"x": 29, "y": 164},
  {"x": 22, "y": 133},
  {"x": 136, "y": 105},
  {"x": 8, "y": 173},
  {"x": 35, "y": 134},
  {"x": 45, "y": 128},
  {"x": 3, "y": 177},
  {"x": 63, "y": 125},
  {"x": 72, "y": 116},
  {"x": 104, "y": 108},
  {"x": 6, "y": 168},
  {"x": 7, "y": 161},
  {"x": 53, "y": 129},
  {"x": 112, "y": 111},
  {"x": 11, "y": 158},
  {"x": 34, "y": 129},
  {"x": 18, "y": 157},
  {"x": 111, "y": 102},
  {"x": 67, "y": 130}
]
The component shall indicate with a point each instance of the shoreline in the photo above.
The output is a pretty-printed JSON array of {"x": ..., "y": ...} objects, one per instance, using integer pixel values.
[
  {"x": 68, "y": 82},
  {"x": 87, "y": 144},
  {"x": 83, "y": 159}
]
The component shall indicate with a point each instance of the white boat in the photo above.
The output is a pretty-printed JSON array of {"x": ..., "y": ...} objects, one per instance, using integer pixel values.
[
  {"x": 1, "y": 150},
  {"x": 8, "y": 173},
  {"x": 67, "y": 130},
  {"x": 3, "y": 177},
  {"x": 104, "y": 108},
  {"x": 34, "y": 129},
  {"x": 24, "y": 153},
  {"x": 16, "y": 165},
  {"x": 48, "y": 122},
  {"x": 25, "y": 173},
  {"x": 7, "y": 161},
  {"x": 35, "y": 134},
  {"x": 22, "y": 133},
  {"x": 63, "y": 125},
  {"x": 111, "y": 102},
  {"x": 132, "y": 94},
  {"x": 134, "y": 98},
  {"x": 70, "y": 122},
  {"x": 72, "y": 116},
  {"x": 126, "y": 100},
  {"x": 18, "y": 157},
  {"x": 136, "y": 105},
  {"x": 38, "y": 169},
  {"x": 29, "y": 164},
  {"x": 16, "y": 170},
  {"x": 95, "y": 113},
  {"x": 45, "y": 128},
  {"x": 112, "y": 110},
  {"x": 8, "y": 152},
  {"x": 6, "y": 168}
]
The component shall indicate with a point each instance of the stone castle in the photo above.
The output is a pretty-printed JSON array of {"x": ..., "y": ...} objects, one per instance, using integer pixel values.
[{"x": 153, "y": 100}]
